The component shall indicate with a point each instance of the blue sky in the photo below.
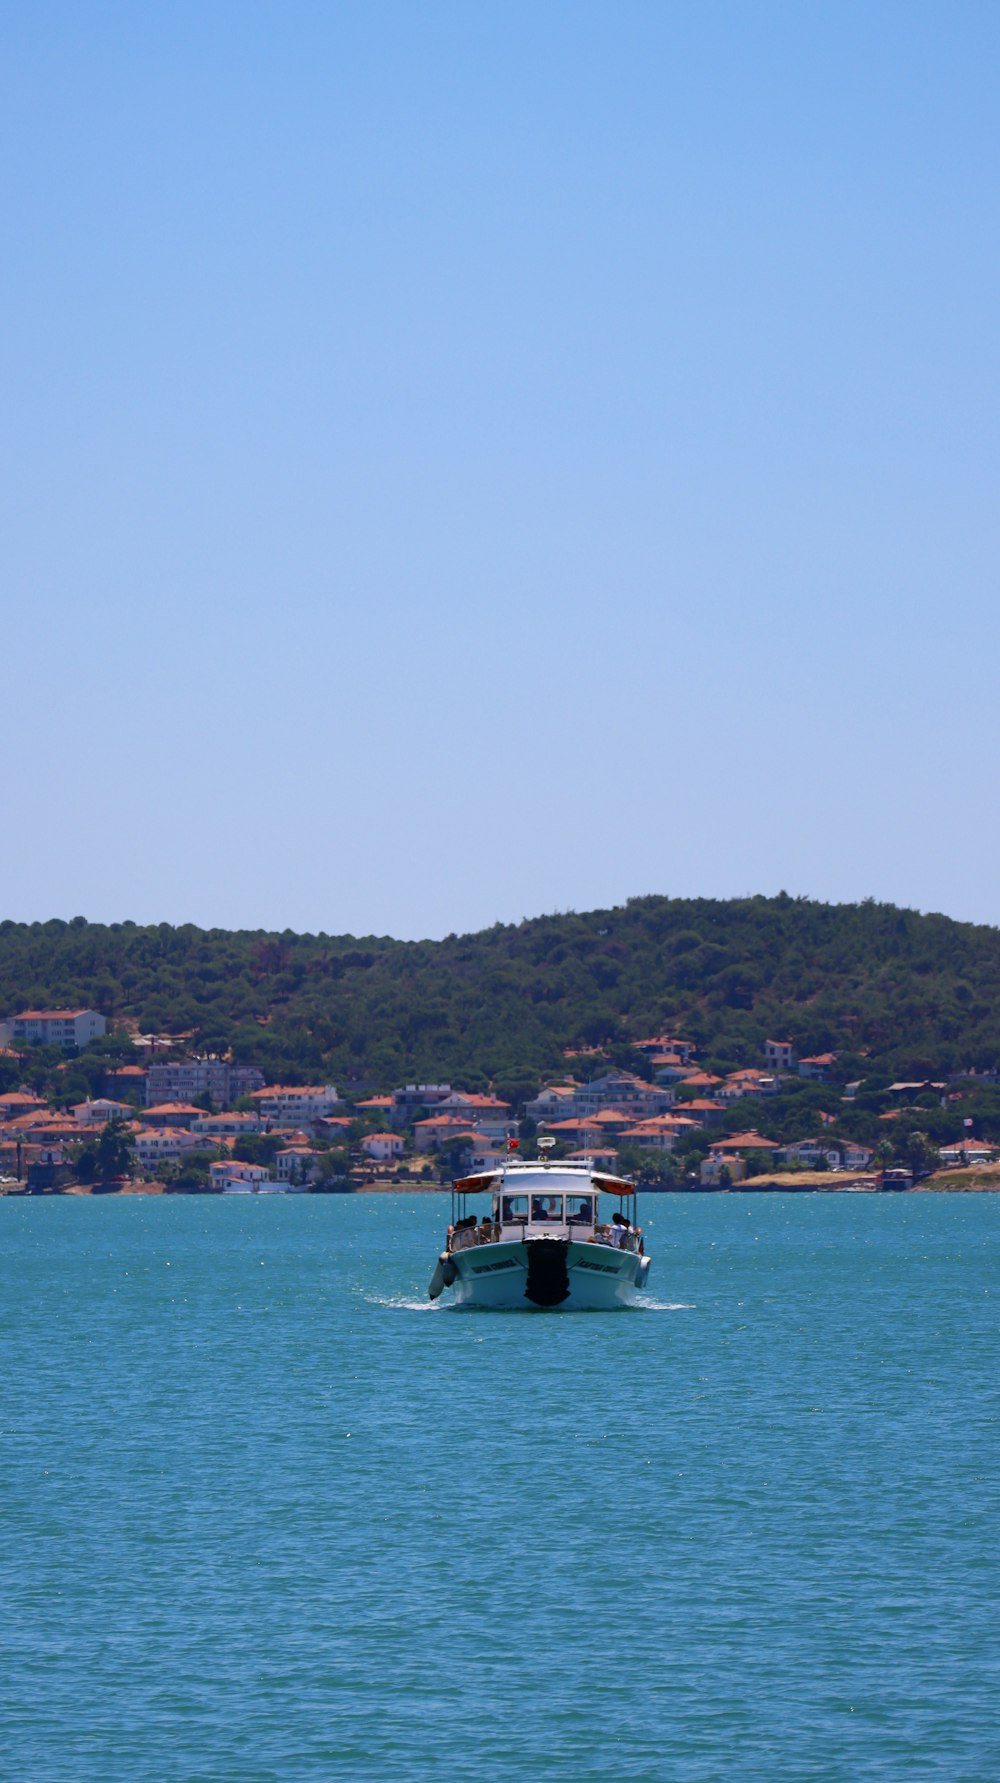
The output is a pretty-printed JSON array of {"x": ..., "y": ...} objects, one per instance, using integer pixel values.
[{"x": 465, "y": 461}]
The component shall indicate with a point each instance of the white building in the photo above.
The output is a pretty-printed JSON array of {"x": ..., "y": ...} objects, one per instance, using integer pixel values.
[
  {"x": 162, "y": 1145},
  {"x": 232, "y": 1176},
  {"x": 779, "y": 1055},
  {"x": 297, "y": 1164},
  {"x": 55, "y": 1027},
  {"x": 295, "y": 1105},
  {"x": 384, "y": 1148},
  {"x": 226, "y": 1126},
  {"x": 101, "y": 1110}
]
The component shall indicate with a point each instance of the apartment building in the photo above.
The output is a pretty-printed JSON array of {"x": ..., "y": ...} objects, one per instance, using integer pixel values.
[
  {"x": 223, "y": 1081},
  {"x": 64, "y": 1028}
]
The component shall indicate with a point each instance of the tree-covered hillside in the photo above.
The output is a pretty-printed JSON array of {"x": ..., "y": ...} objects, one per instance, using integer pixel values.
[{"x": 906, "y": 994}]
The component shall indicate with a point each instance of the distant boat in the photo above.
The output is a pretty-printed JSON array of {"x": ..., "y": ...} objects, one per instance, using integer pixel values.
[{"x": 543, "y": 1242}]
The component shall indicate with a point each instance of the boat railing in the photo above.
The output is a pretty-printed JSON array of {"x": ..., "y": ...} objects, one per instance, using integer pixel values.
[{"x": 621, "y": 1238}]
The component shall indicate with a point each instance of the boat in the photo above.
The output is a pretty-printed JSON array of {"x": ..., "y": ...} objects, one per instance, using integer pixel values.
[{"x": 543, "y": 1241}]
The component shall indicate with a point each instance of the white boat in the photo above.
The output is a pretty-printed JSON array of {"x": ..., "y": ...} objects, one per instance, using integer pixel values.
[{"x": 544, "y": 1241}]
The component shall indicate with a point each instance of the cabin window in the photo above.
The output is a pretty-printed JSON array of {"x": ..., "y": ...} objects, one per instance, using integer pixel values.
[
  {"x": 580, "y": 1210},
  {"x": 515, "y": 1207},
  {"x": 546, "y": 1209}
]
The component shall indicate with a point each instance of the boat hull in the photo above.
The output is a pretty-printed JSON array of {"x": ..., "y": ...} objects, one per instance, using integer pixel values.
[{"x": 557, "y": 1275}]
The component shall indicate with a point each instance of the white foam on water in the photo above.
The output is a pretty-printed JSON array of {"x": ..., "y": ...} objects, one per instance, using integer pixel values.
[
  {"x": 664, "y": 1306},
  {"x": 400, "y": 1303}
]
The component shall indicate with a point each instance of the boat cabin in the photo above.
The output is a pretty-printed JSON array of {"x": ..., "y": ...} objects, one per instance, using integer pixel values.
[{"x": 544, "y": 1201}]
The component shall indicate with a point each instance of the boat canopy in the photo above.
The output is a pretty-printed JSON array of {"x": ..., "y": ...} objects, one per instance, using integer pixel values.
[
  {"x": 488, "y": 1179},
  {"x": 612, "y": 1185},
  {"x": 474, "y": 1185}
]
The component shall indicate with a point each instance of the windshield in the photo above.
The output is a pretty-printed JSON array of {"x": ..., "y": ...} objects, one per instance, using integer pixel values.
[
  {"x": 580, "y": 1210},
  {"x": 515, "y": 1207},
  {"x": 546, "y": 1208}
]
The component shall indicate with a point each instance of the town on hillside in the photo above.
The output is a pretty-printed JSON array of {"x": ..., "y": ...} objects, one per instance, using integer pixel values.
[{"x": 154, "y": 1113}]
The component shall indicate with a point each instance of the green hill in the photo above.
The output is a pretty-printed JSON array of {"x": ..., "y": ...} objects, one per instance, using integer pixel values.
[{"x": 898, "y": 992}]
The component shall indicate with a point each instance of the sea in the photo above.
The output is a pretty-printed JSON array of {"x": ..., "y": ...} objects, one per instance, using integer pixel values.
[{"x": 269, "y": 1516}]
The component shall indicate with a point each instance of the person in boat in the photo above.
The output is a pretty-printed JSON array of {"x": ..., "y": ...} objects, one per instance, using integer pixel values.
[{"x": 620, "y": 1228}]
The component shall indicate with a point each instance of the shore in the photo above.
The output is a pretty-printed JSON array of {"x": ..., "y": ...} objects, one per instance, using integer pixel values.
[{"x": 977, "y": 1179}]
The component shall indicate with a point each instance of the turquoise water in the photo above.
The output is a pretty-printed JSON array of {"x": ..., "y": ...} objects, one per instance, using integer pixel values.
[{"x": 268, "y": 1517}]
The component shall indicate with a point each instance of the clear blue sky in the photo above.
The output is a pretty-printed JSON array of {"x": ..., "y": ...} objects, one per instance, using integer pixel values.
[{"x": 469, "y": 460}]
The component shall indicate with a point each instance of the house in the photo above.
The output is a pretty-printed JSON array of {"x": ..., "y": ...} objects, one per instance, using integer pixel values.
[
  {"x": 816, "y": 1153},
  {"x": 704, "y": 1110},
  {"x": 297, "y": 1164},
  {"x": 701, "y": 1081},
  {"x": 751, "y": 1083},
  {"x": 480, "y": 1153},
  {"x": 620, "y": 1090},
  {"x": 854, "y": 1156},
  {"x": 779, "y": 1055},
  {"x": 64, "y": 1028},
  {"x": 42, "y": 1125},
  {"x": 413, "y": 1099},
  {"x": 486, "y": 1114},
  {"x": 48, "y": 1168},
  {"x": 232, "y": 1177},
  {"x": 603, "y": 1156},
  {"x": 668, "y": 1067},
  {"x": 967, "y": 1151},
  {"x": 551, "y": 1103},
  {"x": 228, "y": 1125},
  {"x": 171, "y": 1114},
  {"x": 818, "y": 1066},
  {"x": 372, "y": 1105},
  {"x": 127, "y": 1080},
  {"x": 651, "y": 1136},
  {"x": 219, "y": 1079},
  {"x": 713, "y": 1168},
  {"x": 437, "y": 1130},
  {"x": 384, "y": 1148},
  {"x": 744, "y": 1142},
  {"x": 300, "y": 1104},
  {"x": 334, "y": 1127},
  {"x": 162, "y": 1145},
  {"x": 20, "y": 1102},
  {"x": 661, "y": 1044},
  {"x": 101, "y": 1110}
]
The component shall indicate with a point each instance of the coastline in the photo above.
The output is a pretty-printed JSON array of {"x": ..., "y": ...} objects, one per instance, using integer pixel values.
[{"x": 973, "y": 1181}]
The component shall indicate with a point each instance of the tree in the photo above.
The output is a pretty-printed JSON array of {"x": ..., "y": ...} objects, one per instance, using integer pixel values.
[
  {"x": 115, "y": 1151},
  {"x": 919, "y": 1155}
]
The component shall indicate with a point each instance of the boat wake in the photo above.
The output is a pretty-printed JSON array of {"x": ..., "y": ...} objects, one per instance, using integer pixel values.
[
  {"x": 403, "y": 1303},
  {"x": 664, "y": 1306}
]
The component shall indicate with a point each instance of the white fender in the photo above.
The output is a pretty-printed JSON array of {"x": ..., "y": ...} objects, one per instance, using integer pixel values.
[{"x": 444, "y": 1275}]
